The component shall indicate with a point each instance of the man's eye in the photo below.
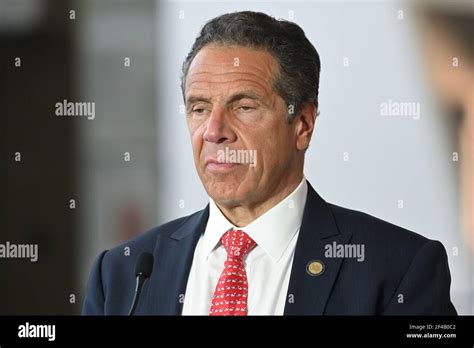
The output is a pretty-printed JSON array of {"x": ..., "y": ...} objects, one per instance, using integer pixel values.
[
  {"x": 199, "y": 110},
  {"x": 246, "y": 108}
]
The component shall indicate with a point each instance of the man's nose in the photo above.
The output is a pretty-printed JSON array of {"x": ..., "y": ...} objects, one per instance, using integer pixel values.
[{"x": 218, "y": 129}]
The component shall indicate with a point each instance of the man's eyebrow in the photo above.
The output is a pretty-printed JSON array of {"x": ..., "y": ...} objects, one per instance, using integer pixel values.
[
  {"x": 243, "y": 95},
  {"x": 233, "y": 98},
  {"x": 197, "y": 98}
]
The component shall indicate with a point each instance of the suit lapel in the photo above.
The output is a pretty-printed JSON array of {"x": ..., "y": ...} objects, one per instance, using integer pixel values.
[
  {"x": 308, "y": 294},
  {"x": 173, "y": 256}
]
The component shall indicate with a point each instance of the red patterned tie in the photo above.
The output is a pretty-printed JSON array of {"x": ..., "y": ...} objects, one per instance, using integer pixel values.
[{"x": 230, "y": 296}]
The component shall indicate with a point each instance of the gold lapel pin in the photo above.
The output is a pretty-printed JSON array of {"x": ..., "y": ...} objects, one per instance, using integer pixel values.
[{"x": 315, "y": 268}]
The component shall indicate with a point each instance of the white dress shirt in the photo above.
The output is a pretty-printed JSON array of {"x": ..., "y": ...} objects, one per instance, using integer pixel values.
[{"x": 268, "y": 265}]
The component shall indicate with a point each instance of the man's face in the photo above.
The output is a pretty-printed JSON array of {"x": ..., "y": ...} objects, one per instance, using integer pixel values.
[{"x": 231, "y": 103}]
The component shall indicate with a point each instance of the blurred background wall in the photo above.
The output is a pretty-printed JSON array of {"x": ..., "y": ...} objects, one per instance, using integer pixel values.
[
  {"x": 82, "y": 51},
  {"x": 131, "y": 167}
]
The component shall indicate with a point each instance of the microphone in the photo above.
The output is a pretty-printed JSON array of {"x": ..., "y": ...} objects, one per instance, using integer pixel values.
[{"x": 143, "y": 269}]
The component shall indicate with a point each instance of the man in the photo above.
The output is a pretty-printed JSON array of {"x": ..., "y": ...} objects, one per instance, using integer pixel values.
[{"x": 267, "y": 243}]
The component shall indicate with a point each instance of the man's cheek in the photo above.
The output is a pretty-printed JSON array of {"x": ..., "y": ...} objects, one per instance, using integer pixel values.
[{"x": 196, "y": 140}]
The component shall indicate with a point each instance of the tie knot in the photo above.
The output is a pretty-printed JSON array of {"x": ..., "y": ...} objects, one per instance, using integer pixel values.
[{"x": 237, "y": 243}]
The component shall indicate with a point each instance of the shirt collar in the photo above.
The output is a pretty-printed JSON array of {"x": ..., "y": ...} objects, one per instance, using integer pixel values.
[{"x": 272, "y": 231}]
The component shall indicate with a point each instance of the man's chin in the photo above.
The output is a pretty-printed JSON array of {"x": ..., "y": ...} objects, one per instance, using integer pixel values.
[
  {"x": 227, "y": 199},
  {"x": 234, "y": 190}
]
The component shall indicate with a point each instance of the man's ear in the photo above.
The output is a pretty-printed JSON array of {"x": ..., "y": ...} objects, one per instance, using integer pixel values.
[{"x": 305, "y": 125}]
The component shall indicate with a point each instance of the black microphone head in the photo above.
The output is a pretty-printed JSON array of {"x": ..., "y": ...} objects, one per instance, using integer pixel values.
[{"x": 144, "y": 265}]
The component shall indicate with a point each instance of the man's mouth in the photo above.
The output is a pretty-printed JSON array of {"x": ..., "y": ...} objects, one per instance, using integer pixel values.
[
  {"x": 216, "y": 166},
  {"x": 229, "y": 159}
]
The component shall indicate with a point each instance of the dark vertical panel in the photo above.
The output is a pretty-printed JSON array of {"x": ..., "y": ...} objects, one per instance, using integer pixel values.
[{"x": 36, "y": 191}]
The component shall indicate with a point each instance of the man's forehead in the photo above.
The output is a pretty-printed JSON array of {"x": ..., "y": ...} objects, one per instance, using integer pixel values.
[
  {"x": 213, "y": 59},
  {"x": 223, "y": 69},
  {"x": 228, "y": 85}
]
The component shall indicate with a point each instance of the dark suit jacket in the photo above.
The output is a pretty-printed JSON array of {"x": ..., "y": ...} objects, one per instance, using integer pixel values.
[{"x": 403, "y": 273}]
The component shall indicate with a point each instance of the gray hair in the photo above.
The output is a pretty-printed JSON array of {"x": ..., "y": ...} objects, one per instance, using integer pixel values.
[{"x": 297, "y": 80}]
